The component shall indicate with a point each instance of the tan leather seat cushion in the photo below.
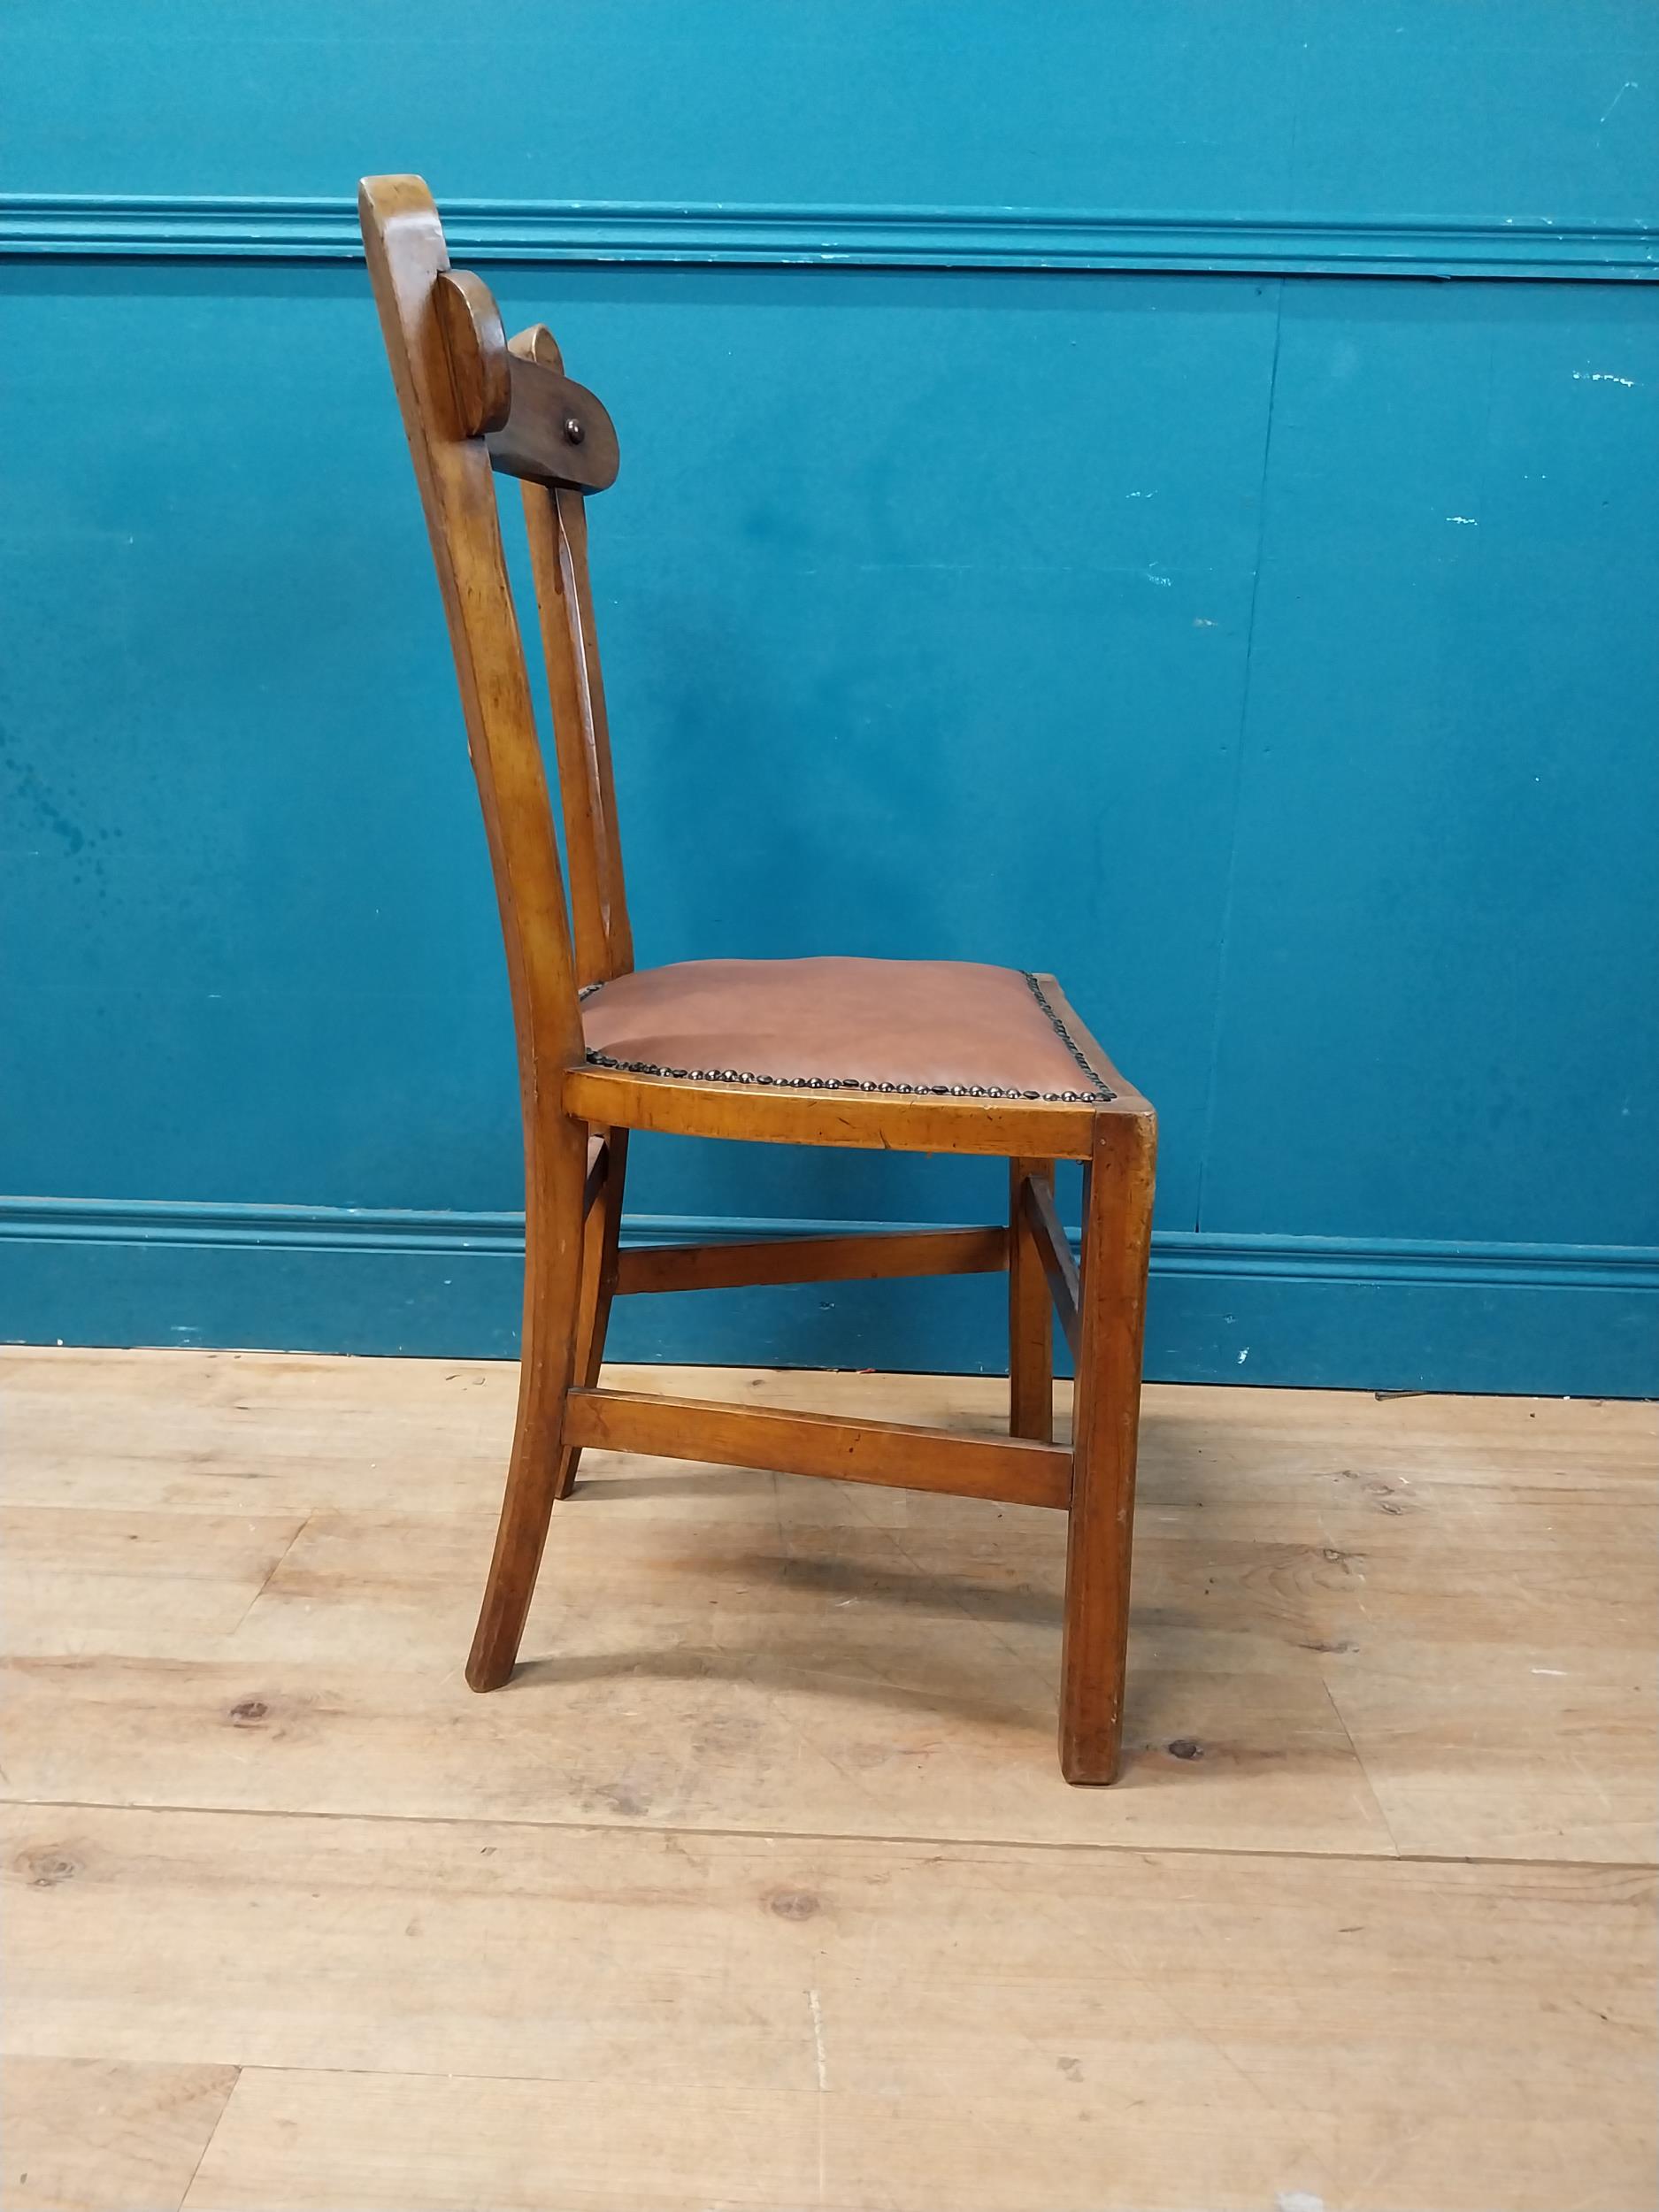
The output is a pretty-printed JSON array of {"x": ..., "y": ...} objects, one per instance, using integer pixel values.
[{"x": 911, "y": 1025}]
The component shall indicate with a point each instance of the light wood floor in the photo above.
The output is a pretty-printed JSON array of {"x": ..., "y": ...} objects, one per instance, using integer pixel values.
[{"x": 759, "y": 1886}]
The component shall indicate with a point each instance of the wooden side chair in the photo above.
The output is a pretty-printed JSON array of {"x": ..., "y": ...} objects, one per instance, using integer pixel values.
[{"x": 913, "y": 1057}]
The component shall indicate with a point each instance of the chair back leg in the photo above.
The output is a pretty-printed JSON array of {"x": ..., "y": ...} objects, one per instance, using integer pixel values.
[
  {"x": 1029, "y": 1316},
  {"x": 600, "y": 1258},
  {"x": 554, "y": 1236}
]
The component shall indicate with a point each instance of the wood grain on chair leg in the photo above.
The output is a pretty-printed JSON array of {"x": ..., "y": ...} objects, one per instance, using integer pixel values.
[
  {"x": 600, "y": 1233},
  {"x": 1116, "y": 1242},
  {"x": 554, "y": 1236},
  {"x": 1030, "y": 1321}
]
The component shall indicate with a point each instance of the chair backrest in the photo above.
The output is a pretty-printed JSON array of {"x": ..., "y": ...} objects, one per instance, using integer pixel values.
[{"x": 473, "y": 404}]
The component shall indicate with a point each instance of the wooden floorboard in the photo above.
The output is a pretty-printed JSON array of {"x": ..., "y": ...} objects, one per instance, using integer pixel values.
[
  {"x": 1302, "y": 2020},
  {"x": 759, "y": 1886},
  {"x": 96, "y": 2135}
]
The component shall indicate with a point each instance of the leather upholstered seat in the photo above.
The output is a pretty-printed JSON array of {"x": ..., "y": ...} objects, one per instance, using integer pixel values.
[{"x": 922, "y": 1027}]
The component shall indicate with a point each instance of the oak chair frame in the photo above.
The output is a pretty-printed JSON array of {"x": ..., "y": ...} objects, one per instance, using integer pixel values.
[{"x": 474, "y": 404}]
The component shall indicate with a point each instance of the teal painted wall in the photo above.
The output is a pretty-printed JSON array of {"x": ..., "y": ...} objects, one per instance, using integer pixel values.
[{"x": 1166, "y": 494}]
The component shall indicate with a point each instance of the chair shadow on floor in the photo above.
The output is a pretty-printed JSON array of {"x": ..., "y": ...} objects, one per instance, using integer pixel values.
[
  {"x": 792, "y": 1669},
  {"x": 903, "y": 1585},
  {"x": 814, "y": 1656}
]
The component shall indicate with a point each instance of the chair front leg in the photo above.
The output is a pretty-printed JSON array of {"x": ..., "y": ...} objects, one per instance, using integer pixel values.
[
  {"x": 599, "y": 1286},
  {"x": 1116, "y": 1244},
  {"x": 1030, "y": 1319},
  {"x": 554, "y": 1236}
]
